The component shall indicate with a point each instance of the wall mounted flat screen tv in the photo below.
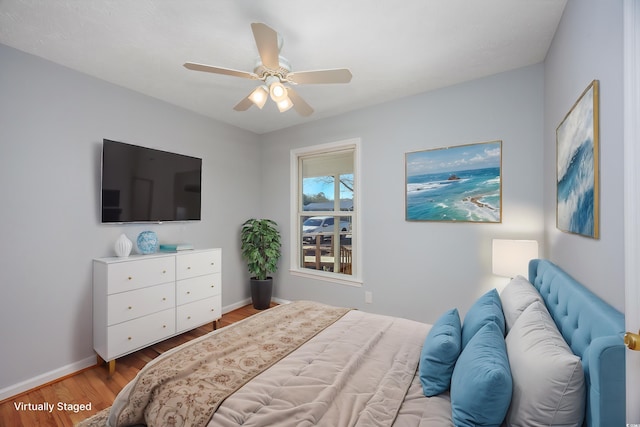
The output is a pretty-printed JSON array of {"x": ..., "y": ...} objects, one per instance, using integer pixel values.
[{"x": 142, "y": 184}]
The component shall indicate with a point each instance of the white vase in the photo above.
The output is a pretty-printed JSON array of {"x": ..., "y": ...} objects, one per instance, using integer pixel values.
[{"x": 123, "y": 246}]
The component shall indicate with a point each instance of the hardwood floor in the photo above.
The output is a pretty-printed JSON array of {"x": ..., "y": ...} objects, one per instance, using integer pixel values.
[{"x": 59, "y": 403}]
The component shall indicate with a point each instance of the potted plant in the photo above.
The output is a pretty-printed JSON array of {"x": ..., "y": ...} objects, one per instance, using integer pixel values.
[{"x": 260, "y": 247}]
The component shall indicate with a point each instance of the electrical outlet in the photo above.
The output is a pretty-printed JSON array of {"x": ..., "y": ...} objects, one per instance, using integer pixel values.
[{"x": 368, "y": 297}]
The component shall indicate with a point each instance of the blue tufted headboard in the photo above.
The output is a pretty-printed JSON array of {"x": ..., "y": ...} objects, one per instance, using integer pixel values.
[{"x": 594, "y": 330}]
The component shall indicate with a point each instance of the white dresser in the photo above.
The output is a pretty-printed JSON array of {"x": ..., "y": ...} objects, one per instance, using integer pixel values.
[{"x": 143, "y": 299}]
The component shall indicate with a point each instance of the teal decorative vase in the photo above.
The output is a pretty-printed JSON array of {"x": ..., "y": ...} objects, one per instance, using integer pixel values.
[{"x": 147, "y": 242}]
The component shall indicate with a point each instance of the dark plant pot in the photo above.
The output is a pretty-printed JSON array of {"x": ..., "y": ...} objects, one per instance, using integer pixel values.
[{"x": 261, "y": 293}]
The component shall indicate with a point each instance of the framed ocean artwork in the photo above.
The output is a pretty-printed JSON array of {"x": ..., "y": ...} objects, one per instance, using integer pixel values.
[
  {"x": 458, "y": 184},
  {"x": 577, "y": 209}
]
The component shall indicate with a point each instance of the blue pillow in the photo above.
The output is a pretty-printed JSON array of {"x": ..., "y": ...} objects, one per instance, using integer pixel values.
[
  {"x": 439, "y": 353},
  {"x": 486, "y": 309},
  {"x": 481, "y": 384}
]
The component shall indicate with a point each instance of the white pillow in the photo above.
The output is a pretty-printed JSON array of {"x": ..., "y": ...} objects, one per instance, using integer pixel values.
[
  {"x": 548, "y": 380},
  {"x": 516, "y": 297}
]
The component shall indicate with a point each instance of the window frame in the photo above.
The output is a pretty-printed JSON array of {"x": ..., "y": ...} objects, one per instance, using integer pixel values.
[{"x": 355, "y": 278}]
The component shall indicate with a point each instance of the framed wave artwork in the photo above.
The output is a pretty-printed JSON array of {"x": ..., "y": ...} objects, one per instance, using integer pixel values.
[
  {"x": 577, "y": 207},
  {"x": 457, "y": 184}
]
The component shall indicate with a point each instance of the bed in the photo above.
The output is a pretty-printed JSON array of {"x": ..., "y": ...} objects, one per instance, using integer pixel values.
[{"x": 308, "y": 364}]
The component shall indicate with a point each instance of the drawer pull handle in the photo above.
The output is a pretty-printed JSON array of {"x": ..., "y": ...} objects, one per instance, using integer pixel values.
[
  {"x": 213, "y": 263},
  {"x": 188, "y": 317},
  {"x": 164, "y": 271},
  {"x": 164, "y": 299},
  {"x": 213, "y": 309},
  {"x": 213, "y": 286},
  {"x": 130, "y": 307},
  {"x": 188, "y": 268},
  {"x": 129, "y": 278},
  {"x": 188, "y": 292},
  {"x": 164, "y": 326},
  {"x": 129, "y": 338}
]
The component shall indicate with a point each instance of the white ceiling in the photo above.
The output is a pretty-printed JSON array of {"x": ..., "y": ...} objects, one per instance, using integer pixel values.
[{"x": 394, "y": 49}]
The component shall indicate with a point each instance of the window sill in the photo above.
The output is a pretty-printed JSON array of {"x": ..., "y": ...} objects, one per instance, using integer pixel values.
[{"x": 340, "y": 279}]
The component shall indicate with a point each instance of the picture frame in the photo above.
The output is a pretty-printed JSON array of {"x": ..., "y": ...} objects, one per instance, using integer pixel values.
[
  {"x": 455, "y": 184},
  {"x": 577, "y": 171}
]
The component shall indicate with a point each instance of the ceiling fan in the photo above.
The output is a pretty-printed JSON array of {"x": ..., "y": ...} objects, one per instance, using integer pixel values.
[{"x": 275, "y": 72}]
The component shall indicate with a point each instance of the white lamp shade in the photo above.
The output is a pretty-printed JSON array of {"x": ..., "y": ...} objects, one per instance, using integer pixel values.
[
  {"x": 511, "y": 257},
  {"x": 284, "y": 104},
  {"x": 259, "y": 96},
  {"x": 277, "y": 91}
]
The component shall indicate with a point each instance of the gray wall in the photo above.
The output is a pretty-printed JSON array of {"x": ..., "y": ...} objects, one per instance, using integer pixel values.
[
  {"x": 418, "y": 269},
  {"x": 52, "y": 121},
  {"x": 588, "y": 46}
]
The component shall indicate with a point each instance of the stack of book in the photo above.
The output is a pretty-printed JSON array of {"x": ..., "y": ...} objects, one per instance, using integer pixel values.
[{"x": 175, "y": 247}]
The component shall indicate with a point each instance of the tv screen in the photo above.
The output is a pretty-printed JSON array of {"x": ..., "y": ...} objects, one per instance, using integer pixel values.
[{"x": 141, "y": 184}]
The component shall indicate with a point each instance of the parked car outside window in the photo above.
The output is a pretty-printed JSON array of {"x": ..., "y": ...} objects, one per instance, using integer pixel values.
[{"x": 321, "y": 224}]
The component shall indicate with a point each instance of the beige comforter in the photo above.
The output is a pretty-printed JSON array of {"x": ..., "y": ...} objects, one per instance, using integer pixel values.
[{"x": 357, "y": 372}]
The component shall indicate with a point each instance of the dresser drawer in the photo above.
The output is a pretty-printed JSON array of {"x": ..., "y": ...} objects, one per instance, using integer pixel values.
[
  {"x": 198, "y": 313},
  {"x": 128, "y": 336},
  {"x": 196, "y": 288},
  {"x": 195, "y": 264},
  {"x": 129, "y": 305},
  {"x": 129, "y": 275}
]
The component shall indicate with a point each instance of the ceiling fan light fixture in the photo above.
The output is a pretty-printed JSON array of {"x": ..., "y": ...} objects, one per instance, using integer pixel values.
[
  {"x": 284, "y": 104},
  {"x": 277, "y": 91},
  {"x": 274, "y": 71},
  {"x": 259, "y": 96}
]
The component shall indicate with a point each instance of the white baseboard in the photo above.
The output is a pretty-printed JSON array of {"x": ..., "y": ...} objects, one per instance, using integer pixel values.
[
  {"x": 227, "y": 308},
  {"x": 47, "y": 377}
]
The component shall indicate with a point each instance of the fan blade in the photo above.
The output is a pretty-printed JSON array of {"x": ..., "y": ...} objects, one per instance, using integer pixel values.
[
  {"x": 341, "y": 75},
  {"x": 267, "y": 43},
  {"x": 243, "y": 105},
  {"x": 218, "y": 70},
  {"x": 299, "y": 104}
]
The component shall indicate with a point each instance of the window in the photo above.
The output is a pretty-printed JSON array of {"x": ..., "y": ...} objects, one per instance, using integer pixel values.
[{"x": 325, "y": 212}]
